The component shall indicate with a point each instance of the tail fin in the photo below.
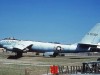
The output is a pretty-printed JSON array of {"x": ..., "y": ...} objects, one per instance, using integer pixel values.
[{"x": 93, "y": 36}]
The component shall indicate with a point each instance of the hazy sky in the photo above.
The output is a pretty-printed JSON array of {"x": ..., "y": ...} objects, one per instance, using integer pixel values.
[{"x": 65, "y": 21}]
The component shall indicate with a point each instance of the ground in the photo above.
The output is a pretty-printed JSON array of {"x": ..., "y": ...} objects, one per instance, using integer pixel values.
[{"x": 30, "y": 64}]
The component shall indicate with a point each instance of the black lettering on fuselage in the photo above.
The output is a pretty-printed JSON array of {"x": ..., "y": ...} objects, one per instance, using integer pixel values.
[{"x": 93, "y": 34}]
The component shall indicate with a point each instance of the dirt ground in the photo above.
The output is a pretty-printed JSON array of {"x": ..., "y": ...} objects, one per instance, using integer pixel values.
[{"x": 38, "y": 65}]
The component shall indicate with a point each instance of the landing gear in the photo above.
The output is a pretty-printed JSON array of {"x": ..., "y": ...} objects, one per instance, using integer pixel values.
[
  {"x": 61, "y": 54},
  {"x": 98, "y": 59},
  {"x": 37, "y": 53},
  {"x": 19, "y": 54},
  {"x": 55, "y": 54}
]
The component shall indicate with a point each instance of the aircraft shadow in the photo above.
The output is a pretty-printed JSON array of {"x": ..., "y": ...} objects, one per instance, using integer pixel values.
[
  {"x": 16, "y": 57},
  {"x": 79, "y": 58},
  {"x": 13, "y": 57}
]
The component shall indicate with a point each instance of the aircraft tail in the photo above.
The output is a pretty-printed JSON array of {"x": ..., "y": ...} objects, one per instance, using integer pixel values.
[{"x": 93, "y": 36}]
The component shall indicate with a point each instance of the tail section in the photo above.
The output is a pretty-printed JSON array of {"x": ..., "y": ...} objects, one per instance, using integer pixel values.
[{"x": 93, "y": 36}]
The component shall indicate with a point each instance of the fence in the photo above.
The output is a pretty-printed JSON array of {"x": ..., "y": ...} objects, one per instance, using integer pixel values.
[
  {"x": 69, "y": 69},
  {"x": 39, "y": 70},
  {"x": 85, "y": 69},
  {"x": 65, "y": 69}
]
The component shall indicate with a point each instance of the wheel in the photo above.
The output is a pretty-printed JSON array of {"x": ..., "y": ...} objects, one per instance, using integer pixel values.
[
  {"x": 19, "y": 54},
  {"x": 98, "y": 59},
  {"x": 61, "y": 54}
]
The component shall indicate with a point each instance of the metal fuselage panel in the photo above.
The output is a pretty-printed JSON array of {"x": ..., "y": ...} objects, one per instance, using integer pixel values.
[{"x": 41, "y": 46}]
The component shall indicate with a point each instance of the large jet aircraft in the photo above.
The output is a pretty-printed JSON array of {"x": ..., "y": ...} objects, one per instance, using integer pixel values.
[{"x": 90, "y": 43}]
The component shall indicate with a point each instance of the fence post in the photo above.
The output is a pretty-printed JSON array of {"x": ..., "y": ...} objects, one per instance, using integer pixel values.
[
  {"x": 27, "y": 71},
  {"x": 71, "y": 69},
  {"x": 48, "y": 70}
]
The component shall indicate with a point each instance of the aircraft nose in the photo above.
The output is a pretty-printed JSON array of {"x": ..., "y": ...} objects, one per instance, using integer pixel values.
[{"x": 1, "y": 46}]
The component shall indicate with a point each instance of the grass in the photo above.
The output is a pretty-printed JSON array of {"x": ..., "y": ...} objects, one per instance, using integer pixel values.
[
  {"x": 21, "y": 70},
  {"x": 34, "y": 67}
]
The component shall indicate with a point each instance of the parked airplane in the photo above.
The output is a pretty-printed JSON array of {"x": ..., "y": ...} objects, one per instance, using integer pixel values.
[{"x": 90, "y": 43}]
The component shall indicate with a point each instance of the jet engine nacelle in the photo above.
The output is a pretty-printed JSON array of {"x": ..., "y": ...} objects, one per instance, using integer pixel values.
[
  {"x": 8, "y": 47},
  {"x": 50, "y": 54},
  {"x": 95, "y": 49}
]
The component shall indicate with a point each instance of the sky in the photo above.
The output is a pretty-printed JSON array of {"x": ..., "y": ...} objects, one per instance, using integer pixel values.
[{"x": 64, "y": 21}]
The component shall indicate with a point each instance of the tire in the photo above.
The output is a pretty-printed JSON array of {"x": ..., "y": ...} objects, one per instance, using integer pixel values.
[{"x": 98, "y": 59}]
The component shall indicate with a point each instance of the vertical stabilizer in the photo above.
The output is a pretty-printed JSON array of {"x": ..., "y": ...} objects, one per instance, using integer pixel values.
[{"x": 93, "y": 36}]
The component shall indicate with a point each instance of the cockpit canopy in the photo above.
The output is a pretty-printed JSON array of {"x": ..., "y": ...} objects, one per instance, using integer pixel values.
[{"x": 10, "y": 38}]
